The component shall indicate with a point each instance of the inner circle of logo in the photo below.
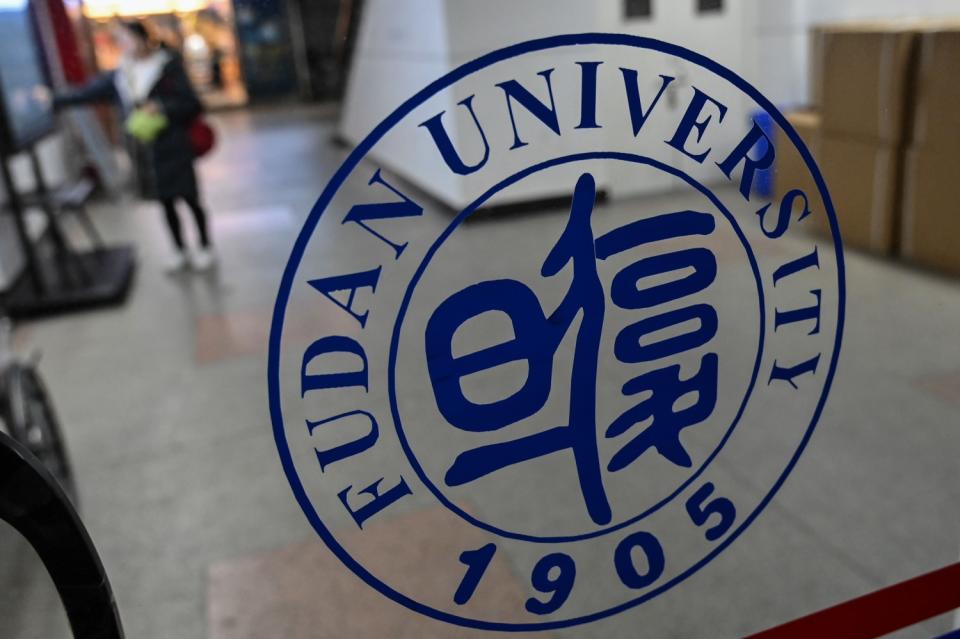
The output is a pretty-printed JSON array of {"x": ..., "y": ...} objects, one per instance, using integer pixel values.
[
  {"x": 561, "y": 388},
  {"x": 465, "y": 215}
]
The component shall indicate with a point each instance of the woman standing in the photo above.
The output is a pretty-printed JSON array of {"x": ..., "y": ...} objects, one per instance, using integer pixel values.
[{"x": 159, "y": 105}]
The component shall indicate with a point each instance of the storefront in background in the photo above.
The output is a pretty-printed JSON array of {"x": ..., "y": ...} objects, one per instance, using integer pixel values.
[
  {"x": 266, "y": 54},
  {"x": 203, "y": 31}
]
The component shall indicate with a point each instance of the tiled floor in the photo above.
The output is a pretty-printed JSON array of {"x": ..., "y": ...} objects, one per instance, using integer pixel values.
[
  {"x": 299, "y": 591},
  {"x": 164, "y": 402}
]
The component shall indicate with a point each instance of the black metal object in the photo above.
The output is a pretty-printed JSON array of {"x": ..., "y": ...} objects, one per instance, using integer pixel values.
[
  {"x": 67, "y": 279},
  {"x": 70, "y": 198},
  {"x": 35, "y": 505},
  {"x": 111, "y": 272},
  {"x": 16, "y": 206},
  {"x": 29, "y": 417},
  {"x": 65, "y": 257}
]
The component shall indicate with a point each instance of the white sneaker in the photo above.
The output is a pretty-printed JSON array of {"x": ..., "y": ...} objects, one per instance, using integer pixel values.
[
  {"x": 176, "y": 263},
  {"x": 204, "y": 259}
]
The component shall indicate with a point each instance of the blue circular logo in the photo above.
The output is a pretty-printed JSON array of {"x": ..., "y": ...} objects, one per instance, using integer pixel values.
[{"x": 588, "y": 403}]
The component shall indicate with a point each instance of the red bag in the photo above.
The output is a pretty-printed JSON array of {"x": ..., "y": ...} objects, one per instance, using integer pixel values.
[{"x": 202, "y": 137}]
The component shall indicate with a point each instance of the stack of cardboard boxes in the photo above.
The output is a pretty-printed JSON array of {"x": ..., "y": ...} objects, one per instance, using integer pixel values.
[
  {"x": 884, "y": 136},
  {"x": 930, "y": 229},
  {"x": 790, "y": 171},
  {"x": 863, "y": 90}
]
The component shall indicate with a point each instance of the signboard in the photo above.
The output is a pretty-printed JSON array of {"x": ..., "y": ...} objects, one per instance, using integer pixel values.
[{"x": 25, "y": 96}]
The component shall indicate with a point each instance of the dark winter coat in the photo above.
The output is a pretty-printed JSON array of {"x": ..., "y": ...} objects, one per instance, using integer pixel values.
[{"x": 164, "y": 166}]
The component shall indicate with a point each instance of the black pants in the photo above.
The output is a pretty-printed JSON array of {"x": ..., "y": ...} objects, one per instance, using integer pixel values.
[{"x": 173, "y": 221}]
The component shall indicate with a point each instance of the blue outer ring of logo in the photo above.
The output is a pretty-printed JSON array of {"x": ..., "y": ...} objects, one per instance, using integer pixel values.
[
  {"x": 467, "y": 212},
  {"x": 286, "y": 283}
]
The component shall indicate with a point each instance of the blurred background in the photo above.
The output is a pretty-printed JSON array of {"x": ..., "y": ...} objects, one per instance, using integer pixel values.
[{"x": 158, "y": 380}]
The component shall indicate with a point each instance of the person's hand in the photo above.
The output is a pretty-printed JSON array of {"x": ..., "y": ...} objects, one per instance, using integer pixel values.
[{"x": 153, "y": 107}]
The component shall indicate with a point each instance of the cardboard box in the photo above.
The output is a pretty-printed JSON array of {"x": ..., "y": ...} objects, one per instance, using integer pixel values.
[
  {"x": 790, "y": 171},
  {"x": 862, "y": 79},
  {"x": 881, "y": 86},
  {"x": 936, "y": 111},
  {"x": 863, "y": 178},
  {"x": 815, "y": 66},
  {"x": 930, "y": 230}
]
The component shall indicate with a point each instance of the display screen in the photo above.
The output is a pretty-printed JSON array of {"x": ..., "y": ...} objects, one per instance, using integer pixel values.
[{"x": 27, "y": 99}]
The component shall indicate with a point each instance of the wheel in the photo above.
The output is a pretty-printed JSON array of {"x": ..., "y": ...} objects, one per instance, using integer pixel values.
[{"x": 32, "y": 420}]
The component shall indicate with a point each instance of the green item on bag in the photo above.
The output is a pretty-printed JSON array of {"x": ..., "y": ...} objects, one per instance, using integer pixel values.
[{"x": 145, "y": 125}]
